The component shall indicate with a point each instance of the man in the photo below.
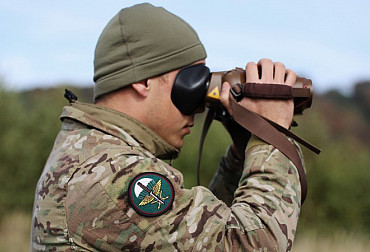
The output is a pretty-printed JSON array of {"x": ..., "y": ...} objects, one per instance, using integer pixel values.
[{"x": 105, "y": 187}]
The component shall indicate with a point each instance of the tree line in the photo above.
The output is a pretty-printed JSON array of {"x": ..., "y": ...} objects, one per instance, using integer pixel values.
[{"x": 338, "y": 178}]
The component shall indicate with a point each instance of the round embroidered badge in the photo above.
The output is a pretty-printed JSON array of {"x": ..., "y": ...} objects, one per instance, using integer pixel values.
[{"x": 151, "y": 194}]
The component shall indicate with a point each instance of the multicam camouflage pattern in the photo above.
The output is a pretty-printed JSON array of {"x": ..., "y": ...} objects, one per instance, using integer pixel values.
[{"x": 81, "y": 198}]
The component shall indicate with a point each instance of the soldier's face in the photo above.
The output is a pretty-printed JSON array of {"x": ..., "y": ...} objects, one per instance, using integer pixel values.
[{"x": 165, "y": 118}]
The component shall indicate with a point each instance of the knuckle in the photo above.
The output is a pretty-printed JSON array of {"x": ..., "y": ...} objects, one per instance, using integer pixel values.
[
  {"x": 279, "y": 65},
  {"x": 250, "y": 64},
  {"x": 291, "y": 72},
  {"x": 265, "y": 61}
]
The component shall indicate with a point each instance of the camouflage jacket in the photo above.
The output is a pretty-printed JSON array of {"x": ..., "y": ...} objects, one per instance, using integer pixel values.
[{"x": 82, "y": 197}]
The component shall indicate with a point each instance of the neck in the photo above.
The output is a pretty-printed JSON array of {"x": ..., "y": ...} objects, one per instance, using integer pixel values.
[{"x": 126, "y": 101}]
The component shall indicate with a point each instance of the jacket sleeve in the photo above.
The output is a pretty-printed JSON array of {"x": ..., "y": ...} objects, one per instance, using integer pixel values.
[
  {"x": 225, "y": 181},
  {"x": 266, "y": 206},
  {"x": 264, "y": 212}
]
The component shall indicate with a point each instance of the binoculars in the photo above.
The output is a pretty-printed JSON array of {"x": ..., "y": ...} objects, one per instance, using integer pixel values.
[{"x": 195, "y": 85}]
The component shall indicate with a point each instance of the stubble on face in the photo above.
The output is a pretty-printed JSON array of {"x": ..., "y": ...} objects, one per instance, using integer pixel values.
[{"x": 164, "y": 118}]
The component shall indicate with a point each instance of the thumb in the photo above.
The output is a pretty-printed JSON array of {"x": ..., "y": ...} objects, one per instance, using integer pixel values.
[{"x": 224, "y": 96}]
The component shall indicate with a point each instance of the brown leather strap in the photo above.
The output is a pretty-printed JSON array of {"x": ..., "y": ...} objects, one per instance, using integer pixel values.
[
  {"x": 207, "y": 124},
  {"x": 267, "y": 91},
  {"x": 258, "y": 126},
  {"x": 294, "y": 136}
]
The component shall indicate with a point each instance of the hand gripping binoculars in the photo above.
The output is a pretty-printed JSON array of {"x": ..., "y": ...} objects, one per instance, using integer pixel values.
[{"x": 195, "y": 85}]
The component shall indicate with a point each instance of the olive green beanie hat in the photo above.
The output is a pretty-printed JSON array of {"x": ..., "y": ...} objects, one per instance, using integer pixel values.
[{"x": 140, "y": 42}]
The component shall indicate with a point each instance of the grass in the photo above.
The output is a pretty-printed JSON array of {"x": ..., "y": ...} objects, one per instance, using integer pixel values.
[
  {"x": 338, "y": 242},
  {"x": 15, "y": 234}
]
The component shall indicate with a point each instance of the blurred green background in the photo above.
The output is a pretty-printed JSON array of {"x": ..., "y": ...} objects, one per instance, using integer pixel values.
[{"x": 335, "y": 216}]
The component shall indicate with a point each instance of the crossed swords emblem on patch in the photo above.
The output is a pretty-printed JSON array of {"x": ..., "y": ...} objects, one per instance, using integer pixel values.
[
  {"x": 146, "y": 192},
  {"x": 154, "y": 195}
]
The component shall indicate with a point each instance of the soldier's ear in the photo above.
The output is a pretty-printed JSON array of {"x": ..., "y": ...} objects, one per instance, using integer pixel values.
[{"x": 141, "y": 88}]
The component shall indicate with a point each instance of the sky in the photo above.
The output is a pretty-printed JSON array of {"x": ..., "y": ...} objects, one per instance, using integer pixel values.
[{"x": 45, "y": 43}]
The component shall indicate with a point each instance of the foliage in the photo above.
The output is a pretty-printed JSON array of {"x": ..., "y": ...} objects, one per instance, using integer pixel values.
[
  {"x": 338, "y": 178},
  {"x": 28, "y": 125},
  {"x": 338, "y": 182}
]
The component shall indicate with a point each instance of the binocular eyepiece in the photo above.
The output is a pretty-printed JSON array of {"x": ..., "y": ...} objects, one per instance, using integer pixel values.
[{"x": 195, "y": 85}]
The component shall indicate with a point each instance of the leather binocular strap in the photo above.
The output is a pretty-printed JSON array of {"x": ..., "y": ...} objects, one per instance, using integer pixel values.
[
  {"x": 258, "y": 126},
  {"x": 207, "y": 124},
  {"x": 267, "y": 91}
]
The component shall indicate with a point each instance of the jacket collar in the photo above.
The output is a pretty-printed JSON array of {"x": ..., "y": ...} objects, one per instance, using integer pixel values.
[{"x": 120, "y": 125}]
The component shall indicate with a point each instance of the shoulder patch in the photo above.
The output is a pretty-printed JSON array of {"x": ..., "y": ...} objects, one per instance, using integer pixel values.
[{"x": 151, "y": 194}]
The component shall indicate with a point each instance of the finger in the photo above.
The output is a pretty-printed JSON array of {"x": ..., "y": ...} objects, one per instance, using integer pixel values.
[
  {"x": 290, "y": 77},
  {"x": 267, "y": 70},
  {"x": 279, "y": 72},
  {"x": 224, "y": 96},
  {"x": 251, "y": 72}
]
